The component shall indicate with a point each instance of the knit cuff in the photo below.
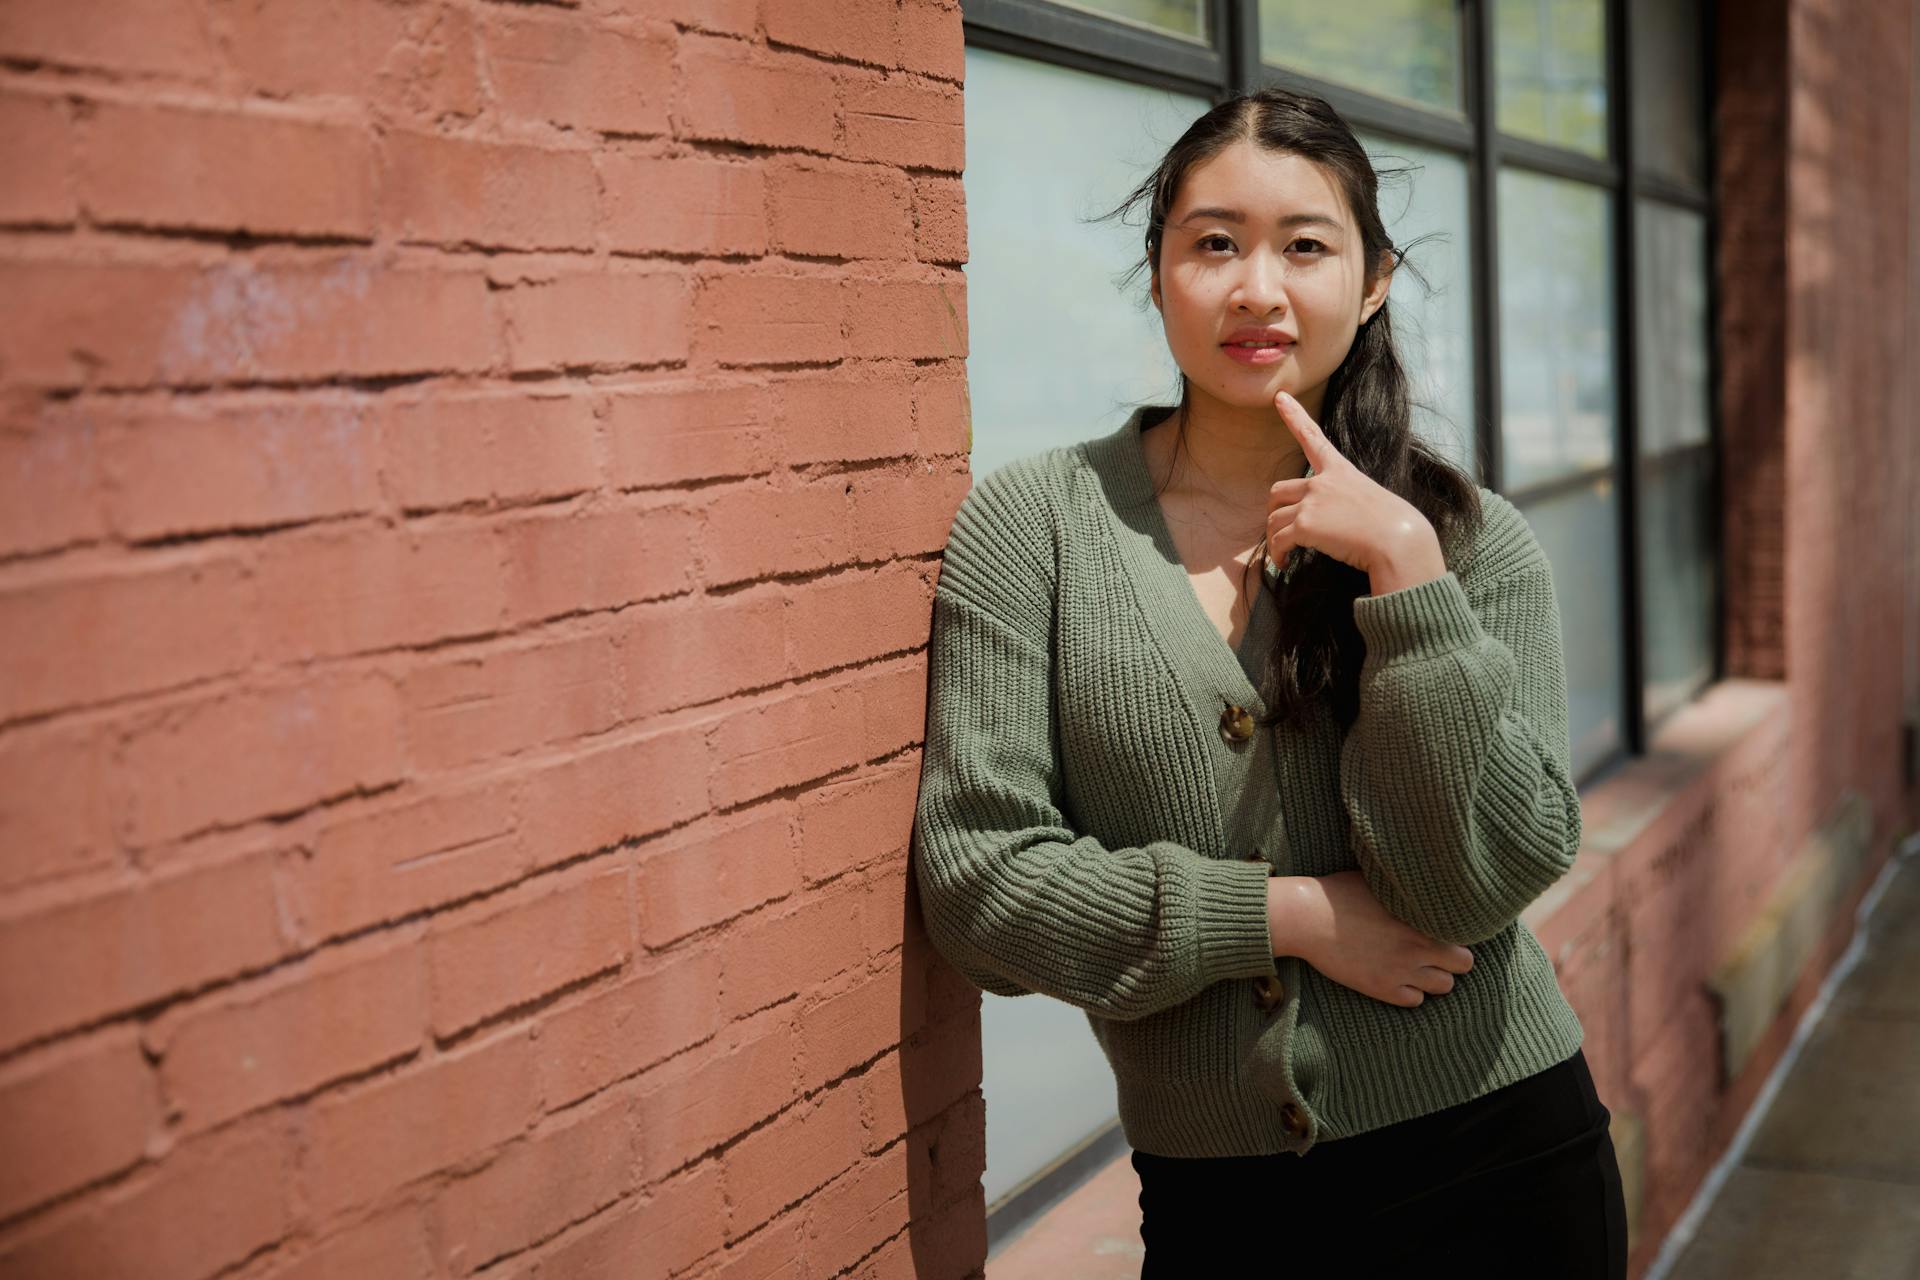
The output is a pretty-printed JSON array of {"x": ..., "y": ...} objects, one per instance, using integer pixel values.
[
  {"x": 1421, "y": 621},
  {"x": 1232, "y": 904}
]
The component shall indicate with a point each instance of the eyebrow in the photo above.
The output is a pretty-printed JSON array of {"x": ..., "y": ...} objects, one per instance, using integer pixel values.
[{"x": 1235, "y": 216}]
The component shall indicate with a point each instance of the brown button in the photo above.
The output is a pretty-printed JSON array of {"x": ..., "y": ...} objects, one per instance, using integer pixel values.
[
  {"x": 1236, "y": 723},
  {"x": 1257, "y": 856},
  {"x": 1293, "y": 1120},
  {"x": 1269, "y": 993}
]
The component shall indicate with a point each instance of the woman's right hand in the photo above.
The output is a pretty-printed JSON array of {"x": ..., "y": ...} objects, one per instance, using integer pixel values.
[{"x": 1336, "y": 925}]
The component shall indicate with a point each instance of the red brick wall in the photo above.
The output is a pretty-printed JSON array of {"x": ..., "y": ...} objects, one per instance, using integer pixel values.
[{"x": 471, "y": 481}]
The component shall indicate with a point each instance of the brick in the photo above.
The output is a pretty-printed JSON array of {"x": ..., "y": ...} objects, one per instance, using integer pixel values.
[
  {"x": 943, "y": 1068},
  {"x": 905, "y": 512},
  {"x": 150, "y": 165},
  {"x": 795, "y": 1154},
  {"x": 201, "y": 1210},
  {"x": 676, "y": 1225},
  {"x": 50, "y": 486},
  {"x": 863, "y": 30},
  {"x": 332, "y": 591},
  {"x": 841, "y": 210},
  {"x": 794, "y": 738},
  {"x": 857, "y": 821},
  {"x": 467, "y": 709},
  {"x": 165, "y": 37},
  {"x": 780, "y": 952},
  {"x": 681, "y": 653},
  {"x": 39, "y": 187},
  {"x": 703, "y": 1099},
  {"x": 392, "y": 1246},
  {"x": 907, "y": 319},
  {"x": 747, "y": 319},
  {"x": 868, "y": 1016},
  {"x": 905, "y": 121},
  {"x": 452, "y": 191},
  {"x": 931, "y": 40},
  {"x": 357, "y": 49},
  {"x": 714, "y": 872},
  {"x": 354, "y": 316},
  {"x": 611, "y": 320},
  {"x": 895, "y": 602},
  {"x": 528, "y": 948},
  {"x": 145, "y": 939},
  {"x": 289, "y": 1034},
  {"x": 684, "y": 204},
  {"x": 729, "y": 94},
  {"x": 621, "y": 1030},
  {"x": 775, "y": 1252},
  {"x": 447, "y": 451},
  {"x": 726, "y": 17},
  {"x": 580, "y": 76},
  {"x": 76, "y": 641},
  {"x": 177, "y": 471},
  {"x": 754, "y": 531},
  {"x": 939, "y": 220},
  {"x": 885, "y": 921},
  {"x": 237, "y": 757},
  {"x": 838, "y": 419},
  {"x": 597, "y": 798},
  {"x": 942, "y": 411},
  {"x": 539, "y": 1185},
  {"x": 121, "y": 324},
  {"x": 55, "y": 820},
  {"x": 959, "y": 1155},
  {"x": 859, "y": 1210},
  {"x": 375, "y": 867},
  {"x": 104, "y": 1078},
  {"x": 669, "y": 435},
  {"x": 431, "y": 1116},
  {"x": 605, "y": 559},
  {"x": 893, "y": 698}
]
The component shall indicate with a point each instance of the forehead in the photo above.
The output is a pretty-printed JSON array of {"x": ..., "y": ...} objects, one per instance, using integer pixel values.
[{"x": 1265, "y": 185}]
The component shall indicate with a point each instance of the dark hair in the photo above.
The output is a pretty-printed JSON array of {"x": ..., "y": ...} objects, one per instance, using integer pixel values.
[{"x": 1366, "y": 413}]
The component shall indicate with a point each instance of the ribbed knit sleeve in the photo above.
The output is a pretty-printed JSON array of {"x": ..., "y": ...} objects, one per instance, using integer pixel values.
[
  {"x": 1012, "y": 896},
  {"x": 1455, "y": 774}
]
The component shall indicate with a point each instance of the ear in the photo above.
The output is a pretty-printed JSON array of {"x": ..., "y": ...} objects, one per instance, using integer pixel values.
[
  {"x": 1153, "y": 288},
  {"x": 1377, "y": 295}
]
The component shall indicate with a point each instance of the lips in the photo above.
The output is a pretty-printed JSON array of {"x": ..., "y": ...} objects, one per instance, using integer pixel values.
[{"x": 1262, "y": 334}]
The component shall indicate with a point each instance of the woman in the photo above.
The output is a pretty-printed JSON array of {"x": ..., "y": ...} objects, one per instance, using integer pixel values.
[{"x": 1273, "y": 831}]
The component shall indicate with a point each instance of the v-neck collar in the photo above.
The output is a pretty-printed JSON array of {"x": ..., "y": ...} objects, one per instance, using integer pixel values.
[{"x": 1165, "y": 593}]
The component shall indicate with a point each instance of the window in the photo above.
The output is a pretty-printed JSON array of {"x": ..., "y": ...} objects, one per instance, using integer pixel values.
[{"x": 1560, "y": 150}]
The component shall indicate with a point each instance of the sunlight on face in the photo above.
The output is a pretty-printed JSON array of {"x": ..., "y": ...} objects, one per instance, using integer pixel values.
[{"x": 1258, "y": 237}]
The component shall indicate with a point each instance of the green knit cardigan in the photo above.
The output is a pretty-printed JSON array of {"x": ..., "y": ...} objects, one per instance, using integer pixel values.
[{"x": 1084, "y": 821}]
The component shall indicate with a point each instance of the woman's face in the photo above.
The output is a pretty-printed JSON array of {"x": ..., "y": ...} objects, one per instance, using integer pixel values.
[{"x": 1258, "y": 238}]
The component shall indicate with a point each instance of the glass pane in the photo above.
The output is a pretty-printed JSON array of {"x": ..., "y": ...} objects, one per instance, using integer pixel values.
[
  {"x": 1671, "y": 245},
  {"x": 1180, "y": 17},
  {"x": 1056, "y": 354},
  {"x": 1550, "y": 57},
  {"x": 1556, "y": 328},
  {"x": 1580, "y": 533},
  {"x": 1669, "y": 90},
  {"x": 1432, "y": 323},
  {"x": 1677, "y": 570},
  {"x": 1419, "y": 64}
]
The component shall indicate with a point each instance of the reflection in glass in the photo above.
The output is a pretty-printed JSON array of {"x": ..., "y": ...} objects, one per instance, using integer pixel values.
[
  {"x": 1669, "y": 90},
  {"x": 1550, "y": 59},
  {"x": 1579, "y": 532},
  {"x": 1419, "y": 62},
  {"x": 1556, "y": 328},
  {"x": 1056, "y": 354},
  {"x": 1432, "y": 323},
  {"x": 1180, "y": 17},
  {"x": 1671, "y": 248},
  {"x": 1677, "y": 573}
]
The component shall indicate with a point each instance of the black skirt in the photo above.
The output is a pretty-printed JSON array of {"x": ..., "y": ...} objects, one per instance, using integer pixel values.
[{"x": 1520, "y": 1182}]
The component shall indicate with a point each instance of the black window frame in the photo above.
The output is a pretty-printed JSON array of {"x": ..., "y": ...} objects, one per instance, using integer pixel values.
[{"x": 1229, "y": 62}]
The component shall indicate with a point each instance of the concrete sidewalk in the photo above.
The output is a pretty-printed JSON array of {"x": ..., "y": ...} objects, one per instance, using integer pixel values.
[{"x": 1827, "y": 1187}]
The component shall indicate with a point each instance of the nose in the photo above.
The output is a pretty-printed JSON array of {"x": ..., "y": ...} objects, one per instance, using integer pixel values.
[{"x": 1262, "y": 288}]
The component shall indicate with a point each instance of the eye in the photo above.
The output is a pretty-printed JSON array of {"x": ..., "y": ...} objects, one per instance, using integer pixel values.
[
  {"x": 1204, "y": 240},
  {"x": 1306, "y": 240}
]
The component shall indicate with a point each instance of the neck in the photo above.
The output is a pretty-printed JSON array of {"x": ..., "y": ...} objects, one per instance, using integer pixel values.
[{"x": 1234, "y": 454}]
